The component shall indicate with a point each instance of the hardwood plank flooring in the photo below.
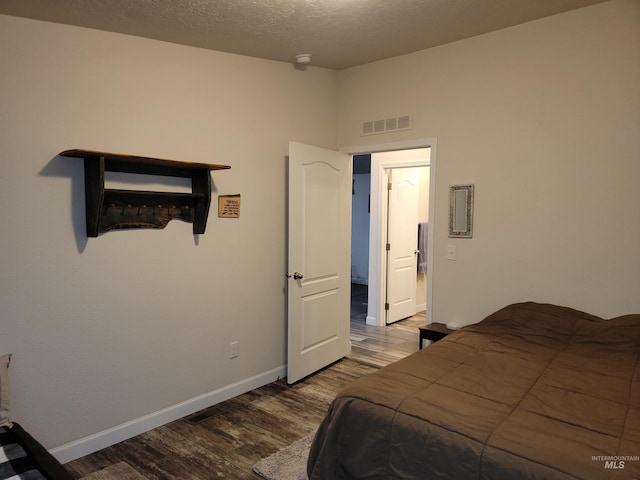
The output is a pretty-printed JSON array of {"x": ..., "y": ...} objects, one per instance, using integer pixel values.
[
  {"x": 226, "y": 440},
  {"x": 380, "y": 346}
]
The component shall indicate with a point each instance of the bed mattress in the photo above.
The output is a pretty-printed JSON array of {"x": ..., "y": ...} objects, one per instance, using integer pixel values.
[{"x": 534, "y": 391}]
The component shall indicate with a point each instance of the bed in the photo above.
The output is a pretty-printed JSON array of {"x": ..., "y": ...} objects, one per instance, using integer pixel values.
[
  {"x": 534, "y": 391},
  {"x": 22, "y": 457}
]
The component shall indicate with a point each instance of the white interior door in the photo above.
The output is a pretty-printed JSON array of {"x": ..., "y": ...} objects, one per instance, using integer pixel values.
[
  {"x": 402, "y": 243},
  {"x": 319, "y": 263}
]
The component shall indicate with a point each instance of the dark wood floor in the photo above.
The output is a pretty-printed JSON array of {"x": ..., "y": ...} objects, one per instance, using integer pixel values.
[
  {"x": 380, "y": 346},
  {"x": 226, "y": 440}
]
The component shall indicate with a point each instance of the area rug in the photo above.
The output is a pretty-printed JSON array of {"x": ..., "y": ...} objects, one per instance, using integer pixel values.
[
  {"x": 118, "y": 471},
  {"x": 289, "y": 463}
]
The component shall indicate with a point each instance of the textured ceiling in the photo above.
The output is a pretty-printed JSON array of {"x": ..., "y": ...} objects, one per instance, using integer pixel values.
[{"x": 339, "y": 33}]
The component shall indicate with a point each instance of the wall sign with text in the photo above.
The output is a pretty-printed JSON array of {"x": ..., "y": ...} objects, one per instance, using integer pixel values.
[{"x": 229, "y": 206}]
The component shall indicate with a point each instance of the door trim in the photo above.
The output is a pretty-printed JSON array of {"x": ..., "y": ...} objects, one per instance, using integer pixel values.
[{"x": 375, "y": 314}]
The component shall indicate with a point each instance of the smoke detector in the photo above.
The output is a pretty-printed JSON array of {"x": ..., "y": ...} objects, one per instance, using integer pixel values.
[{"x": 303, "y": 58}]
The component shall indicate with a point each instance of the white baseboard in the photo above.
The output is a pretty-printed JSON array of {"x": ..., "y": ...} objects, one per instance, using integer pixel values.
[
  {"x": 111, "y": 436},
  {"x": 372, "y": 320},
  {"x": 420, "y": 308}
]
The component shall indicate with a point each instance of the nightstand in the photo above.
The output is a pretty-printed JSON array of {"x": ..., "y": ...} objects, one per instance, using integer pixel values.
[{"x": 434, "y": 332}]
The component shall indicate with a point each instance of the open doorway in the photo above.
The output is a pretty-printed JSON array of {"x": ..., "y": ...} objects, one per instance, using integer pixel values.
[
  {"x": 321, "y": 180},
  {"x": 369, "y": 241}
]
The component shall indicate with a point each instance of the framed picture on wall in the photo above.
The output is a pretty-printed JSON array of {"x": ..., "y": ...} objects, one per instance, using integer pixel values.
[{"x": 461, "y": 211}]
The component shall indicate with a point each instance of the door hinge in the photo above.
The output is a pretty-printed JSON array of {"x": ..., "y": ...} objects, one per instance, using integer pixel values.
[
  {"x": 388, "y": 247},
  {"x": 386, "y": 306},
  {"x": 389, "y": 186}
]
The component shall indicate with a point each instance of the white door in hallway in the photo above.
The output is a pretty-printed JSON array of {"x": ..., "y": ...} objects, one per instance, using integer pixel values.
[
  {"x": 319, "y": 264},
  {"x": 402, "y": 243}
]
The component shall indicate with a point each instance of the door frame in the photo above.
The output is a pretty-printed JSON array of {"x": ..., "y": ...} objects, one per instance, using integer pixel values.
[{"x": 375, "y": 313}]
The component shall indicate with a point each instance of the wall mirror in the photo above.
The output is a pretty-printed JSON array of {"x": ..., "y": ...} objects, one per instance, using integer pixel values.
[{"x": 461, "y": 211}]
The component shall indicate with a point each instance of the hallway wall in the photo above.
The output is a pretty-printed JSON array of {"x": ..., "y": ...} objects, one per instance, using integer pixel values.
[{"x": 360, "y": 229}]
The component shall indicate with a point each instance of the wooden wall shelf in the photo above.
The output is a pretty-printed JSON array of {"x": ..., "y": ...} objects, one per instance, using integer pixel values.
[{"x": 108, "y": 209}]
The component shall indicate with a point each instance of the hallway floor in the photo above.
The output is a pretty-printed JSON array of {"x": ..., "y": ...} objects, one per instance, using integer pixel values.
[{"x": 379, "y": 346}]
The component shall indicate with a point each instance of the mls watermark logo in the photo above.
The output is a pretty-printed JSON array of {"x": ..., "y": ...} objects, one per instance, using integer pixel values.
[{"x": 615, "y": 462}]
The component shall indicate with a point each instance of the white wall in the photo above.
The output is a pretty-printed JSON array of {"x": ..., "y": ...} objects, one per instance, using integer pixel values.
[
  {"x": 107, "y": 330},
  {"x": 543, "y": 118},
  {"x": 360, "y": 229}
]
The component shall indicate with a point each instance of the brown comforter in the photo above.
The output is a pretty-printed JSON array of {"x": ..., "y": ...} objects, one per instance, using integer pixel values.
[{"x": 532, "y": 392}]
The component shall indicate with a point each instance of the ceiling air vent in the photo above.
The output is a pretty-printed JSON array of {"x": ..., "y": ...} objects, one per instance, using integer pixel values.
[
  {"x": 387, "y": 125},
  {"x": 367, "y": 128},
  {"x": 391, "y": 124},
  {"x": 404, "y": 122}
]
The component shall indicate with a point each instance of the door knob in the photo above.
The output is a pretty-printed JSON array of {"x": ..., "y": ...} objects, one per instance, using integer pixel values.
[{"x": 297, "y": 276}]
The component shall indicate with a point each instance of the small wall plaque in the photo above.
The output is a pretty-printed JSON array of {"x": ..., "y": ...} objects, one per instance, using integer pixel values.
[{"x": 229, "y": 206}]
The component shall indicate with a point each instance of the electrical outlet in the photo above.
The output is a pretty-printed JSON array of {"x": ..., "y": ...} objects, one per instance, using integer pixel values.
[
  {"x": 233, "y": 349},
  {"x": 451, "y": 252}
]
